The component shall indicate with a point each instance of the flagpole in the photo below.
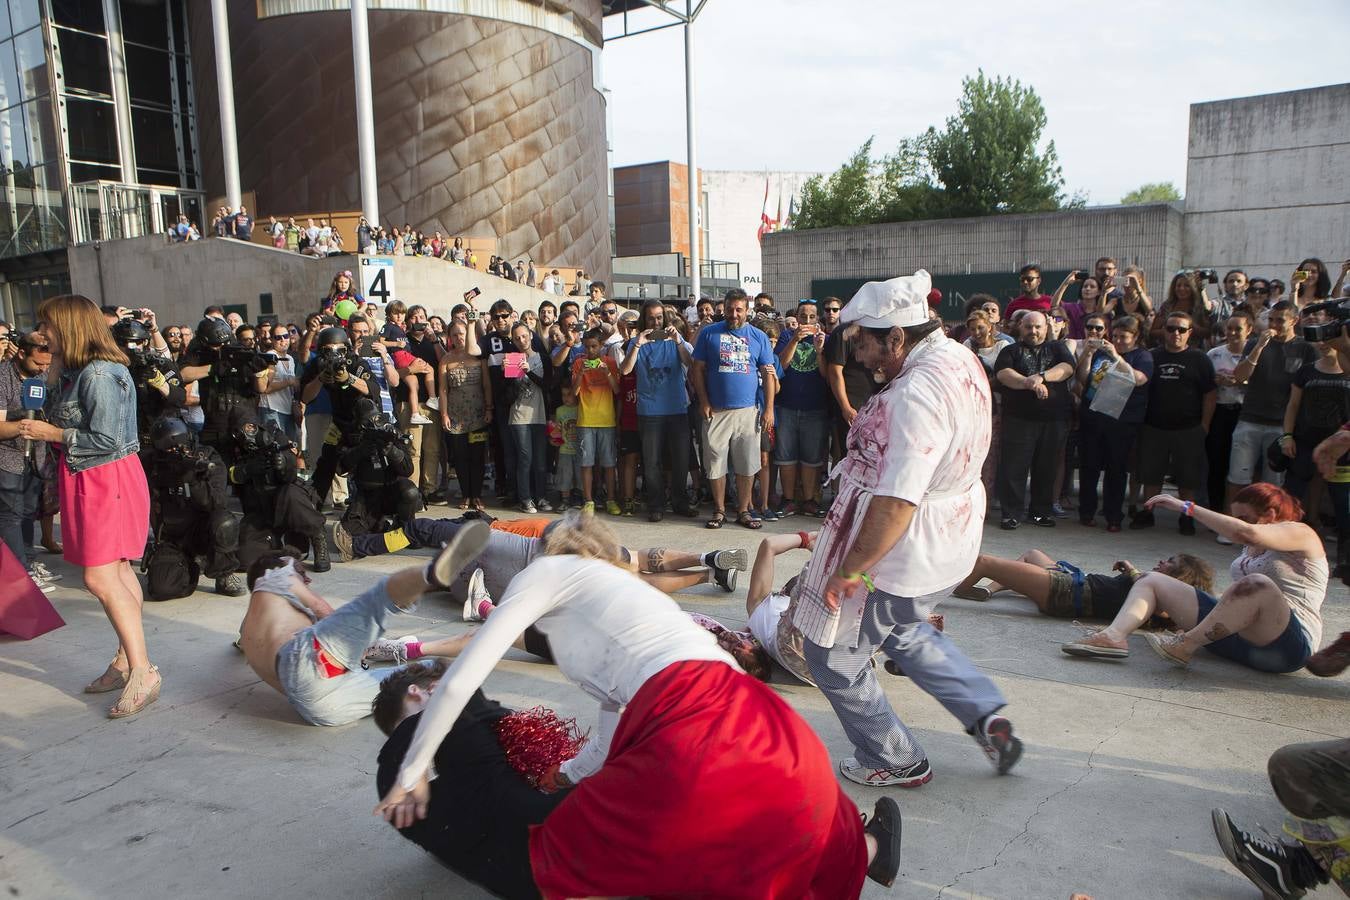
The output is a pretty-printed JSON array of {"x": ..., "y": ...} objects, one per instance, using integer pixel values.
[{"x": 695, "y": 276}]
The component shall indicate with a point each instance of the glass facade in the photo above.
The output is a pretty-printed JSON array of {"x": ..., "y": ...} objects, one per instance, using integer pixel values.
[{"x": 68, "y": 114}]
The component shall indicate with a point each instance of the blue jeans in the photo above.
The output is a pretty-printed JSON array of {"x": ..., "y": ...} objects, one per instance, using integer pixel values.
[
  {"x": 898, "y": 626},
  {"x": 19, "y": 496},
  {"x": 344, "y": 636},
  {"x": 284, "y": 421},
  {"x": 531, "y": 461}
]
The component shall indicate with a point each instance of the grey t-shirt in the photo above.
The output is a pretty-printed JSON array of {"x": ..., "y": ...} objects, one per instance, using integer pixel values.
[{"x": 1268, "y": 387}]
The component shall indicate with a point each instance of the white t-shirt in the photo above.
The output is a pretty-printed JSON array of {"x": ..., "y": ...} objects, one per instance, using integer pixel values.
[
  {"x": 280, "y": 401},
  {"x": 766, "y": 624},
  {"x": 922, "y": 438},
  {"x": 609, "y": 632},
  {"x": 1225, "y": 361}
]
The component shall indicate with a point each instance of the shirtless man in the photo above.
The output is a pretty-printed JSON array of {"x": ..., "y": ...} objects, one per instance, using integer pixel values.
[
  {"x": 514, "y": 544},
  {"x": 311, "y": 653}
]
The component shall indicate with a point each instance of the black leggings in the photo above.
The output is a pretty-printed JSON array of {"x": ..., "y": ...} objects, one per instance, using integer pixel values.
[{"x": 469, "y": 460}]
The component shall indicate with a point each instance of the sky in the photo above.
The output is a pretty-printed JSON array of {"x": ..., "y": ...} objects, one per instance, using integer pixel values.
[{"x": 792, "y": 85}]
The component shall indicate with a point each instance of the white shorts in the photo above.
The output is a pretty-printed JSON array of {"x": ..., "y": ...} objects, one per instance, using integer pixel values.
[
  {"x": 1248, "y": 457},
  {"x": 731, "y": 437}
]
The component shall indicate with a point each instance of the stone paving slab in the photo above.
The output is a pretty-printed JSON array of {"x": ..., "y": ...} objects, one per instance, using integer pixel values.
[{"x": 218, "y": 790}]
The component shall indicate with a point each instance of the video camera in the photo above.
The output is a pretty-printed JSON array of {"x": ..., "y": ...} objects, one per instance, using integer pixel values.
[
  {"x": 1317, "y": 332},
  {"x": 333, "y": 360},
  {"x": 244, "y": 358}
]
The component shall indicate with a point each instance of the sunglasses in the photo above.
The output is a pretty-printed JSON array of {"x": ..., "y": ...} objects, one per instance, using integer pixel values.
[
  {"x": 1176, "y": 329},
  {"x": 832, "y": 309},
  {"x": 502, "y": 316},
  {"x": 1058, "y": 319},
  {"x": 1027, "y": 278},
  {"x": 1094, "y": 327},
  {"x": 284, "y": 336},
  {"x": 608, "y": 312},
  {"x": 1258, "y": 290}
]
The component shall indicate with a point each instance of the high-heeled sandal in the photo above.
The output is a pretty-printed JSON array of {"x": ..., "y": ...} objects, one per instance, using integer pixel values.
[
  {"x": 127, "y": 705},
  {"x": 112, "y": 679}
]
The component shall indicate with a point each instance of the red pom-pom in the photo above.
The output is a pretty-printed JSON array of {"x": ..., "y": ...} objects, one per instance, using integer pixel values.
[
  {"x": 934, "y": 297},
  {"x": 535, "y": 740}
]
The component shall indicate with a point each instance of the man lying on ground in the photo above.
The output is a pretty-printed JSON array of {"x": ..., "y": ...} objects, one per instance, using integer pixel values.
[
  {"x": 1062, "y": 590},
  {"x": 480, "y": 810},
  {"x": 510, "y": 551},
  {"x": 311, "y": 653}
]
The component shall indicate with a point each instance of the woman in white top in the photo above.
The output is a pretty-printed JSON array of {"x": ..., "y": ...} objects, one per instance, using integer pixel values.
[
  {"x": 1219, "y": 439},
  {"x": 711, "y": 785},
  {"x": 1270, "y": 617}
]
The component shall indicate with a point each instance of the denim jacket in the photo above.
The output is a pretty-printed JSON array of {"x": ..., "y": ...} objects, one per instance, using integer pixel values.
[{"x": 95, "y": 409}]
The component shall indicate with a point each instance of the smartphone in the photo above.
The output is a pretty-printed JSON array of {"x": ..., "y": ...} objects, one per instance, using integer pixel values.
[
  {"x": 1081, "y": 276},
  {"x": 1302, "y": 274},
  {"x": 366, "y": 348},
  {"x": 470, "y": 294},
  {"x": 1120, "y": 281}
]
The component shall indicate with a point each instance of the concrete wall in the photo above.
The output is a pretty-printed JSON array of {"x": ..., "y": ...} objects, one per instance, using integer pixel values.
[
  {"x": 1268, "y": 181},
  {"x": 178, "y": 281},
  {"x": 1148, "y": 236}
]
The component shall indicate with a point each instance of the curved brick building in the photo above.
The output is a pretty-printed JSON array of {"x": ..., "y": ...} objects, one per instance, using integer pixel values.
[{"x": 490, "y": 127}]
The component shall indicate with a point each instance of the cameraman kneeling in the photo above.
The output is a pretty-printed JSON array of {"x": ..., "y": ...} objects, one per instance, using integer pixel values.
[
  {"x": 378, "y": 463},
  {"x": 345, "y": 376}
]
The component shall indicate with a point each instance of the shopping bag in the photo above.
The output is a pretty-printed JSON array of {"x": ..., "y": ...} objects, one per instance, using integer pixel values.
[
  {"x": 1113, "y": 391},
  {"x": 24, "y": 610}
]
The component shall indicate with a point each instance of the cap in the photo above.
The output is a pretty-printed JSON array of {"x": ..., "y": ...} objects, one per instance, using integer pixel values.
[{"x": 898, "y": 303}]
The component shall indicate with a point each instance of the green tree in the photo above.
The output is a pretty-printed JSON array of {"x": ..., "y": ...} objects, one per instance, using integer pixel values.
[
  {"x": 988, "y": 160},
  {"x": 844, "y": 197},
  {"x": 1153, "y": 192}
]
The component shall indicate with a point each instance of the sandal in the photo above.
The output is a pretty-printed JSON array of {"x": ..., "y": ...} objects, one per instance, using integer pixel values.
[
  {"x": 112, "y": 679},
  {"x": 717, "y": 519},
  {"x": 53, "y": 547},
  {"x": 464, "y": 503},
  {"x": 128, "y": 704},
  {"x": 478, "y": 505},
  {"x": 746, "y": 520}
]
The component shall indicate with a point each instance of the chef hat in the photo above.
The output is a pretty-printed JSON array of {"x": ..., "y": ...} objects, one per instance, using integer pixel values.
[{"x": 898, "y": 303}]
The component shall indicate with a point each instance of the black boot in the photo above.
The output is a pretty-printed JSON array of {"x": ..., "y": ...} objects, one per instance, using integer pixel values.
[{"x": 320, "y": 544}]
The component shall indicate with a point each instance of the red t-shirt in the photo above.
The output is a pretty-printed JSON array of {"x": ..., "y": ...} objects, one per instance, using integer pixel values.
[{"x": 1039, "y": 304}]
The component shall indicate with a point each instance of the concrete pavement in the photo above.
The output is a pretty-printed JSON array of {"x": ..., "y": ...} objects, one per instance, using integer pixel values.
[{"x": 219, "y": 789}]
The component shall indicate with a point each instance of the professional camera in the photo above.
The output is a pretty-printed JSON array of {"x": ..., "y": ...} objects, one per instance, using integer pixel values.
[
  {"x": 333, "y": 361},
  {"x": 1206, "y": 275},
  {"x": 1338, "y": 312},
  {"x": 269, "y": 459},
  {"x": 243, "y": 358}
]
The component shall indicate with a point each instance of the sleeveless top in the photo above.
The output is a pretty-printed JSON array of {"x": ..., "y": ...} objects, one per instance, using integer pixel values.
[
  {"x": 1302, "y": 580},
  {"x": 464, "y": 385}
]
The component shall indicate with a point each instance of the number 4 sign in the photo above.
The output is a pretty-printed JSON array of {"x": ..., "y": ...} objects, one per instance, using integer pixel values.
[{"x": 377, "y": 279}]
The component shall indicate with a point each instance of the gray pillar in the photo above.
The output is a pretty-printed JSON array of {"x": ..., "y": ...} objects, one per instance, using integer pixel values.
[
  {"x": 112, "y": 17},
  {"x": 365, "y": 113},
  {"x": 229, "y": 143},
  {"x": 695, "y": 276}
]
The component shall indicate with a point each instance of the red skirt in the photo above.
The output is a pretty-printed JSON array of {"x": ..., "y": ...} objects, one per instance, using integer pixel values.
[
  {"x": 105, "y": 512},
  {"x": 714, "y": 787}
]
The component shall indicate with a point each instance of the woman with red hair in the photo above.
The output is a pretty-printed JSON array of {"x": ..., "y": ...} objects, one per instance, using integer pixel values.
[{"x": 1270, "y": 617}]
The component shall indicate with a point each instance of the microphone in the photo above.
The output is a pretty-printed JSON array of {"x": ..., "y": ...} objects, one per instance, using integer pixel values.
[{"x": 34, "y": 398}]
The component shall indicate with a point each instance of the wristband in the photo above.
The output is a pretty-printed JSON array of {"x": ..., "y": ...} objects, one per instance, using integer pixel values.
[
  {"x": 1188, "y": 508},
  {"x": 805, "y": 539},
  {"x": 859, "y": 576}
]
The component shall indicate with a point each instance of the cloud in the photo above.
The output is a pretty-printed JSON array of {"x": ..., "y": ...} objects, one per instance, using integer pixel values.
[{"x": 798, "y": 85}]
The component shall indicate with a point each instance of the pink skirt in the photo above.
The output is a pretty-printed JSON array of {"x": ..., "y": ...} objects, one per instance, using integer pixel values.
[{"x": 105, "y": 512}]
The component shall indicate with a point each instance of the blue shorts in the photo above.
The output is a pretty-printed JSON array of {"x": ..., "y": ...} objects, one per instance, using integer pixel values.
[
  {"x": 1287, "y": 653},
  {"x": 800, "y": 436},
  {"x": 598, "y": 447}
]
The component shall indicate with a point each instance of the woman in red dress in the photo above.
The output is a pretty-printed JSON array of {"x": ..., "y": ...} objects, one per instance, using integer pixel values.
[{"x": 105, "y": 503}]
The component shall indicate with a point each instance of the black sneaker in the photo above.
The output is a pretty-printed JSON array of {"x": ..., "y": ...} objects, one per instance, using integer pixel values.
[
  {"x": 884, "y": 827},
  {"x": 1143, "y": 519},
  {"x": 893, "y": 668},
  {"x": 319, "y": 544},
  {"x": 1186, "y": 526},
  {"x": 994, "y": 733},
  {"x": 1008, "y": 524},
  {"x": 725, "y": 578},
  {"x": 1282, "y": 871},
  {"x": 1043, "y": 521},
  {"x": 458, "y": 552}
]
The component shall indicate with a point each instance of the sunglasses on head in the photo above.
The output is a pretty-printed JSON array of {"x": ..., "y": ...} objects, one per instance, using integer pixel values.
[{"x": 1176, "y": 329}]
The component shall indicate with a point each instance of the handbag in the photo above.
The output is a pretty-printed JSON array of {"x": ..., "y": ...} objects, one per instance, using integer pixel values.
[{"x": 1113, "y": 391}]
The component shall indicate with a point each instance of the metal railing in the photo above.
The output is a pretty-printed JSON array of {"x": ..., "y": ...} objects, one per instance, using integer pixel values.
[{"x": 111, "y": 210}]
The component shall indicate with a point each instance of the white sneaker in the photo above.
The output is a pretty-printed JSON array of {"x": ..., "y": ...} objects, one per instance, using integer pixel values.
[
  {"x": 432, "y": 403},
  {"x": 394, "y": 650},
  {"x": 1220, "y": 539},
  {"x": 38, "y": 570},
  {"x": 418, "y": 419},
  {"x": 42, "y": 584},
  {"x": 479, "y": 602}
]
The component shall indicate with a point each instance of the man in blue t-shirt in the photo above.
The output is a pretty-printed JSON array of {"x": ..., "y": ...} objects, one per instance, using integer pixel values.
[
  {"x": 802, "y": 418},
  {"x": 728, "y": 360},
  {"x": 659, "y": 357}
]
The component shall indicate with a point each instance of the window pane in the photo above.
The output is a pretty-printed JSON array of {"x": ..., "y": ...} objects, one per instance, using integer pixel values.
[
  {"x": 92, "y": 130},
  {"x": 156, "y": 146},
  {"x": 13, "y": 140},
  {"x": 180, "y": 38},
  {"x": 86, "y": 14},
  {"x": 37, "y": 219},
  {"x": 41, "y": 130},
  {"x": 143, "y": 22},
  {"x": 86, "y": 172},
  {"x": 24, "y": 14},
  {"x": 9, "y": 76},
  {"x": 84, "y": 61},
  {"x": 31, "y": 58},
  {"x": 158, "y": 176},
  {"x": 148, "y": 76}
]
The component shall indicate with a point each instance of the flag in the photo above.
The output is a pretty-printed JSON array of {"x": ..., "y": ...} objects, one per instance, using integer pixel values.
[
  {"x": 764, "y": 213},
  {"x": 792, "y": 212},
  {"x": 778, "y": 216}
]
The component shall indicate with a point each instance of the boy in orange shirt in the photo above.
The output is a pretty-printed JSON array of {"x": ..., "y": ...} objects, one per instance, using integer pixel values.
[{"x": 595, "y": 379}]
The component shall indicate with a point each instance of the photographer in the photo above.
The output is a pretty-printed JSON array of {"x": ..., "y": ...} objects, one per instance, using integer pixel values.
[
  {"x": 189, "y": 515},
  {"x": 280, "y": 510},
  {"x": 159, "y": 389},
  {"x": 21, "y": 462},
  {"x": 230, "y": 379},
  {"x": 345, "y": 378},
  {"x": 377, "y": 465}
]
